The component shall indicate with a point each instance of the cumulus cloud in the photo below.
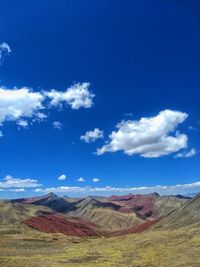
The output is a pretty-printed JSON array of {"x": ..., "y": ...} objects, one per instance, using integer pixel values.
[
  {"x": 11, "y": 182},
  {"x": 81, "y": 179},
  {"x": 77, "y": 96},
  {"x": 95, "y": 180},
  {"x": 92, "y": 136},
  {"x": 149, "y": 137},
  {"x": 21, "y": 104},
  {"x": 186, "y": 154},
  {"x": 57, "y": 125},
  {"x": 108, "y": 190},
  {"x": 62, "y": 177},
  {"x": 4, "y": 51}
]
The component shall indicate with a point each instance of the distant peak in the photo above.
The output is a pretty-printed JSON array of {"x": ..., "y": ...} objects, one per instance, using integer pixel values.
[{"x": 51, "y": 194}]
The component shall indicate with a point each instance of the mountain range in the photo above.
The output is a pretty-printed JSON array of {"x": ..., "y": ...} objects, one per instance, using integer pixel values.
[
  {"x": 99, "y": 216},
  {"x": 130, "y": 230}
]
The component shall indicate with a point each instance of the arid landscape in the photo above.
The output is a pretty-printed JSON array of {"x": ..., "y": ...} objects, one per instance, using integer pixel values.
[{"x": 130, "y": 230}]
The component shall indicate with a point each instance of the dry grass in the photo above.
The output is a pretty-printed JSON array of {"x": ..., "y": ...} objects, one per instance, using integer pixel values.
[{"x": 27, "y": 248}]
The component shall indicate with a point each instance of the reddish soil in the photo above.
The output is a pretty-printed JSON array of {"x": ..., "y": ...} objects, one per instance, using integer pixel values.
[
  {"x": 136, "y": 229},
  {"x": 142, "y": 205},
  {"x": 56, "y": 223}
]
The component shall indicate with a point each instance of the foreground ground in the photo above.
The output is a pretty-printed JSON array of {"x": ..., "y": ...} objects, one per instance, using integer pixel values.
[{"x": 166, "y": 248}]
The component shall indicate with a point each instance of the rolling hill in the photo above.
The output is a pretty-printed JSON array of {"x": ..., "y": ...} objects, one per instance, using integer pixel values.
[
  {"x": 104, "y": 213},
  {"x": 115, "y": 215},
  {"x": 49, "y": 200},
  {"x": 188, "y": 214},
  {"x": 12, "y": 213},
  {"x": 149, "y": 205},
  {"x": 131, "y": 230}
]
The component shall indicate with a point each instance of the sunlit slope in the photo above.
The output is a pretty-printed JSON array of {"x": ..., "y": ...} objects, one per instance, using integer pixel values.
[
  {"x": 11, "y": 213},
  {"x": 187, "y": 215},
  {"x": 104, "y": 214}
]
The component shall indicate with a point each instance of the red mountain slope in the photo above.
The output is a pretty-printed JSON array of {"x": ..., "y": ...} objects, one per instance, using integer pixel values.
[
  {"x": 56, "y": 223},
  {"x": 142, "y": 205}
]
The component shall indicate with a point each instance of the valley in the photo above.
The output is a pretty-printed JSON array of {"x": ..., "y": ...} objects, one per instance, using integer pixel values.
[{"x": 131, "y": 230}]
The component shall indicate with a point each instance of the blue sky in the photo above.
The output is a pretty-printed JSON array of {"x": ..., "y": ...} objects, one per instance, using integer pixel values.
[{"x": 109, "y": 63}]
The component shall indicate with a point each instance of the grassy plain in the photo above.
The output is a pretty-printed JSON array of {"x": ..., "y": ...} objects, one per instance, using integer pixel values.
[{"x": 22, "y": 247}]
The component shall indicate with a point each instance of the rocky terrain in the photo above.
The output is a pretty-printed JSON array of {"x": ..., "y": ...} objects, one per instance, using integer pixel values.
[{"x": 91, "y": 216}]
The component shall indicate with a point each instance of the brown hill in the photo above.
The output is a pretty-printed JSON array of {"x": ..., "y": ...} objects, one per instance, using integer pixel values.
[
  {"x": 149, "y": 205},
  {"x": 106, "y": 214},
  {"x": 113, "y": 213},
  {"x": 188, "y": 214},
  {"x": 49, "y": 200},
  {"x": 84, "y": 205},
  {"x": 11, "y": 213}
]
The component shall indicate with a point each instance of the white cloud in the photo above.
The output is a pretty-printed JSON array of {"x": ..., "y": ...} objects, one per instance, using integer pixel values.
[
  {"x": 57, "y": 125},
  {"x": 19, "y": 103},
  {"x": 4, "y": 50},
  {"x": 77, "y": 96},
  {"x": 41, "y": 116},
  {"x": 108, "y": 190},
  {"x": 92, "y": 136},
  {"x": 17, "y": 190},
  {"x": 62, "y": 177},
  {"x": 81, "y": 179},
  {"x": 6, "y": 47},
  {"x": 148, "y": 137},
  {"x": 41, "y": 190},
  {"x": 186, "y": 154},
  {"x": 11, "y": 182},
  {"x": 22, "y": 123},
  {"x": 95, "y": 180}
]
